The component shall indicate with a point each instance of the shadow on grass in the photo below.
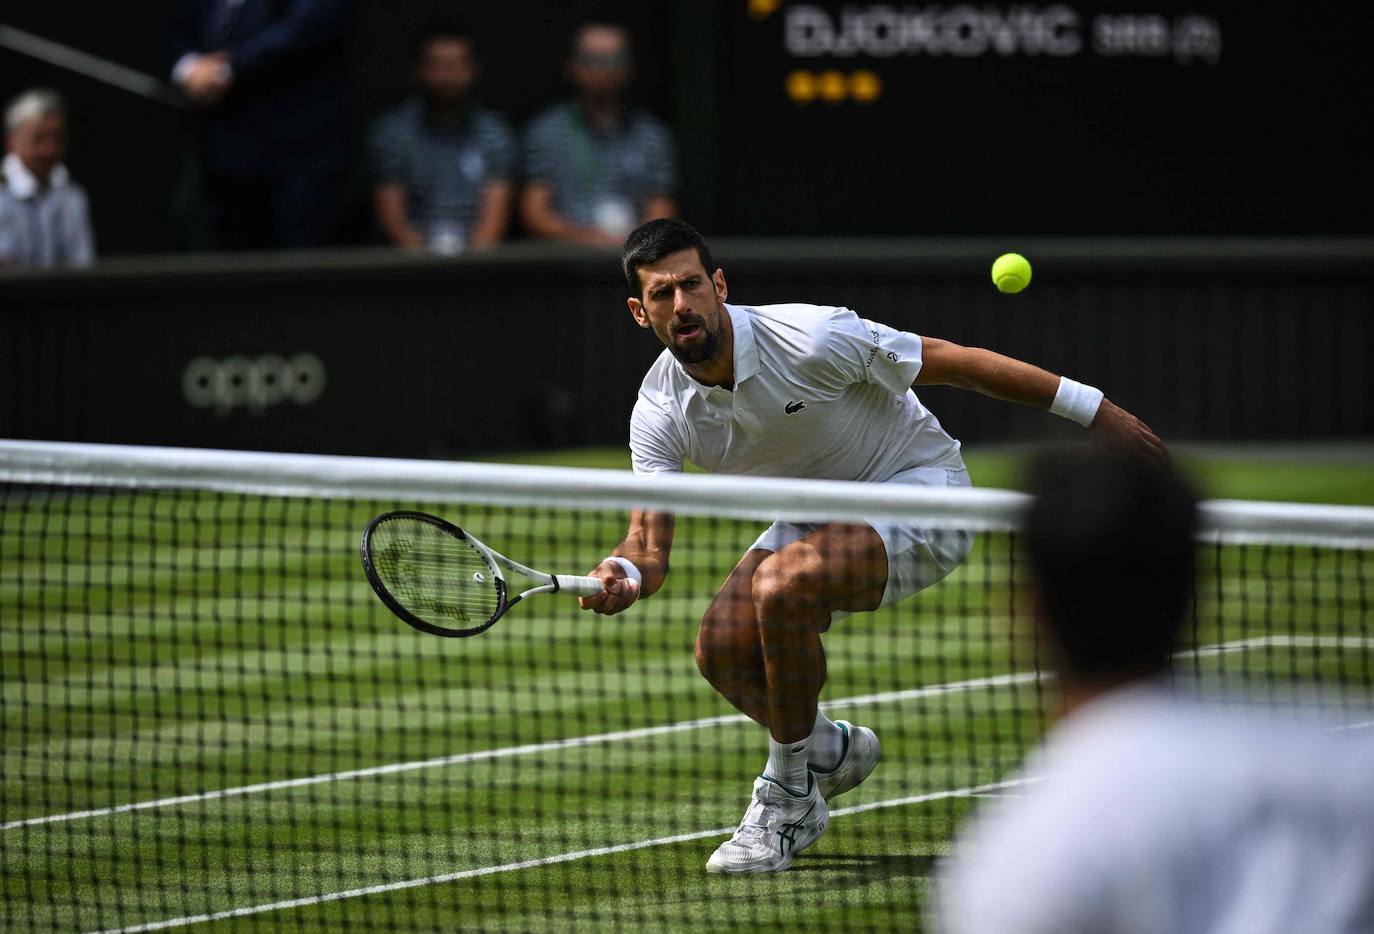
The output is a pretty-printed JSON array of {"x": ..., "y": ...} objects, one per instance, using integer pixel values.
[{"x": 820, "y": 874}]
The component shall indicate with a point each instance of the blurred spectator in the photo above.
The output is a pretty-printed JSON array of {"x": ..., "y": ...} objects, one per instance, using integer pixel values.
[
  {"x": 1156, "y": 812},
  {"x": 268, "y": 76},
  {"x": 597, "y": 167},
  {"x": 44, "y": 216},
  {"x": 441, "y": 165}
]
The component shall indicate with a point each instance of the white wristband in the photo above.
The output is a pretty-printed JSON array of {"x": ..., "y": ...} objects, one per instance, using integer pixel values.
[
  {"x": 1076, "y": 402},
  {"x": 628, "y": 567}
]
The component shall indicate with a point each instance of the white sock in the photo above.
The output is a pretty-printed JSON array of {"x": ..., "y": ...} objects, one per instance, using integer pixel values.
[
  {"x": 787, "y": 764},
  {"x": 826, "y": 745}
]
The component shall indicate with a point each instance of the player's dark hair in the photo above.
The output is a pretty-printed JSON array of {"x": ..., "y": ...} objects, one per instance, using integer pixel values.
[
  {"x": 650, "y": 242},
  {"x": 1111, "y": 542}
]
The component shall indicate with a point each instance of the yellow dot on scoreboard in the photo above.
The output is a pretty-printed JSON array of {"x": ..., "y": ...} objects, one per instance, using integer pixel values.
[
  {"x": 801, "y": 87},
  {"x": 832, "y": 86},
  {"x": 865, "y": 87},
  {"x": 762, "y": 9}
]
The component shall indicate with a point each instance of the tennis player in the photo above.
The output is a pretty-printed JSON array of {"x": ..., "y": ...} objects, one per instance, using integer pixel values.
[{"x": 808, "y": 391}]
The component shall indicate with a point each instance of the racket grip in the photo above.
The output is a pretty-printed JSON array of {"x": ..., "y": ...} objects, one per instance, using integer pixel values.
[{"x": 579, "y": 586}]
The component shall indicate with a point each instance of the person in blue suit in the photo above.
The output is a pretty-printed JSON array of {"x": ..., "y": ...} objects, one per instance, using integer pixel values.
[{"x": 268, "y": 79}]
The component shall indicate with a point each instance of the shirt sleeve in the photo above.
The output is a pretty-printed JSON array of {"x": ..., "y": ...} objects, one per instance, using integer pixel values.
[
  {"x": 78, "y": 236},
  {"x": 656, "y": 446},
  {"x": 541, "y": 151},
  {"x": 385, "y": 157},
  {"x": 9, "y": 232},
  {"x": 861, "y": 351},
  {"x": 300, "y": 27},
  {"x": 660, "y": 157},
  {"x": 500, "y": 151}
]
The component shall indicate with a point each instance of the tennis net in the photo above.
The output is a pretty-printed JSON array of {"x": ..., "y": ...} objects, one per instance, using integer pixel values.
[{"x": 210, "y": 719}]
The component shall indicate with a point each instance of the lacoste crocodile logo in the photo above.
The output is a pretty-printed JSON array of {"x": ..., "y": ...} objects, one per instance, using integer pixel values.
[{"x": 792, "y": 408}]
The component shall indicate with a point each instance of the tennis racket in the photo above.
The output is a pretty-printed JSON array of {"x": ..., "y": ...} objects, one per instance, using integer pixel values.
[{"x": 443, "y": 581}]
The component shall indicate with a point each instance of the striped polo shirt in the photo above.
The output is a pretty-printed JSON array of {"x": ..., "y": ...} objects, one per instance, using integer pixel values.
[
  {"x": 443, "y": 169},
  {"x": 600, "y": 180}
]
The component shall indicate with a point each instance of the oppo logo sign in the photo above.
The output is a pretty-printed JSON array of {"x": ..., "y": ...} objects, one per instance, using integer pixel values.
[{"x": 254, "y": 384}]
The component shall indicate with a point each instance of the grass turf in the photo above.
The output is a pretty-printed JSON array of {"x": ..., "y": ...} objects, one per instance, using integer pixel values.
[{"x": 161, "y": 646}]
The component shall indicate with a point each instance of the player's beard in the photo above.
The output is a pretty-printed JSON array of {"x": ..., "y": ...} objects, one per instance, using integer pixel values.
[{"x": 701, "y": 350}]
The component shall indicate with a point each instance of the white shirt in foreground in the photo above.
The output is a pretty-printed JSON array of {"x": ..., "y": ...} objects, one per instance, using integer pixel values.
[
  {"x": 820, "y": 393},
  {"x": 1162, "y": 815}
]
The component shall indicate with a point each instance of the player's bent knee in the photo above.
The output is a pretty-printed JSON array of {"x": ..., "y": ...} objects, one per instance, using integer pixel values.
[{"x": 782, "y": 582}]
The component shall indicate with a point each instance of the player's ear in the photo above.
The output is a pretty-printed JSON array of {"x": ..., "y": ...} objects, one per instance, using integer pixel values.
[
  {"x": 718, "y": 278},
  {"x": 637, "y": 312}
]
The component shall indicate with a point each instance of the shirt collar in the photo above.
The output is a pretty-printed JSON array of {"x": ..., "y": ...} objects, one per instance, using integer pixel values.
[
  {"x": 617, "y": 128},
  {"x": 746, "y": 353},
  {"x": 23, "y": 184}
]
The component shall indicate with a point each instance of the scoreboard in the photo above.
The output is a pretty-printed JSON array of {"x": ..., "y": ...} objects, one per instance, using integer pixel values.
[{"x": 1211, "y": 117}]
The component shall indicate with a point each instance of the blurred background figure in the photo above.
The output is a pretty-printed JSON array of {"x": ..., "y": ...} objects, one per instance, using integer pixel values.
[
  {"x": 45, "y": 218},
  {"x": 268, "y": 76},
  {"x": 441, "y": 165},
  {"x": 597, "y": 166},
  {"x": 1156, "y": 812}
]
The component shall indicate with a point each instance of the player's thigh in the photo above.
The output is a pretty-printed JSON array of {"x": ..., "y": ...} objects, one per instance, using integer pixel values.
[
  {"x": 837, "y": 567},
  {"x": 729, "y": 620},
  {"x": 920, "y": 556}
]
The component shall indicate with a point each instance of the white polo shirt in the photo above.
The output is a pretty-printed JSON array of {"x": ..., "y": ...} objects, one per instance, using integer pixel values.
[
  {"x": 1162, "y": 814},
  {"x": 819, "y": 393}
]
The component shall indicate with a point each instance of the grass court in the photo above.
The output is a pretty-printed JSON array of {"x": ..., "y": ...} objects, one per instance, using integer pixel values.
[{"x": 209, "y": 719}]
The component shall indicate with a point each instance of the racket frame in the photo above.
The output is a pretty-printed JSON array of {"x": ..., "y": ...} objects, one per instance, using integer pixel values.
[{"x": 497, "y": 563}]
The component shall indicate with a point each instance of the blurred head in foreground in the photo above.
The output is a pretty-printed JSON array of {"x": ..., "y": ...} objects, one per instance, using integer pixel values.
[
  {"x": 1149, "y": 808},
  {"x": 1111, "y": 545}
]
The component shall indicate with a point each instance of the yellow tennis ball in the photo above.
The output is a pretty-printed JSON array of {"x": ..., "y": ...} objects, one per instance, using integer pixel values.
[{"x": 1011, "y": 273}]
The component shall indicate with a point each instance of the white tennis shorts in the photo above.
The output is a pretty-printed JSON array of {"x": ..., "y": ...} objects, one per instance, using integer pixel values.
[{"x": 917, "y": 557}]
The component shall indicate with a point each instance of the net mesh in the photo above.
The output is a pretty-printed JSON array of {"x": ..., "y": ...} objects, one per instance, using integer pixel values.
[{"x": 210, "y": 718}]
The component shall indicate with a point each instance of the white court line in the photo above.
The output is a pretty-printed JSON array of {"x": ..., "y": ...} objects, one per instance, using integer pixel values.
[
  {"x": 640, "y": 733},
  {"x": 1283, "y": 642},
  {"x": 539, "y": 861},
  {"x": 508, "y": 751}
]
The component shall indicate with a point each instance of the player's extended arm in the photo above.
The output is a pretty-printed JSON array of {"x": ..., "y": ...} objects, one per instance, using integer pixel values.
[
  {"x": 646, "y": 546},
  {"x": 944, "y": 363}
]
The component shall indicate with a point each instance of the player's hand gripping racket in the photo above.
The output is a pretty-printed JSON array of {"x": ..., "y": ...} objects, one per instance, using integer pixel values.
[{"x": 441, "y": 580}]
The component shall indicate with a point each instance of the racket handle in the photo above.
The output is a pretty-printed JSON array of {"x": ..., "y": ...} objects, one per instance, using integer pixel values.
[{"x": 579, "y": 586}]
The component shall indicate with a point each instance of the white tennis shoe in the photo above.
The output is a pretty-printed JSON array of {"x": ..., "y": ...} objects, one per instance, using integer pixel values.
[
  {"x": 860, "y": 756},
  {"x": 778, "y": 825}
]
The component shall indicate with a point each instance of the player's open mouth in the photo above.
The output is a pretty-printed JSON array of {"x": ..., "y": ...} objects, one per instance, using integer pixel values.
[{"x": 688, "y": 330}]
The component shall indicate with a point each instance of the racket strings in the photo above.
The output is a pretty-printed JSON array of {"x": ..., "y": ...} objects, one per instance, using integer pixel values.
[{"x": 433, "y": 574}]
